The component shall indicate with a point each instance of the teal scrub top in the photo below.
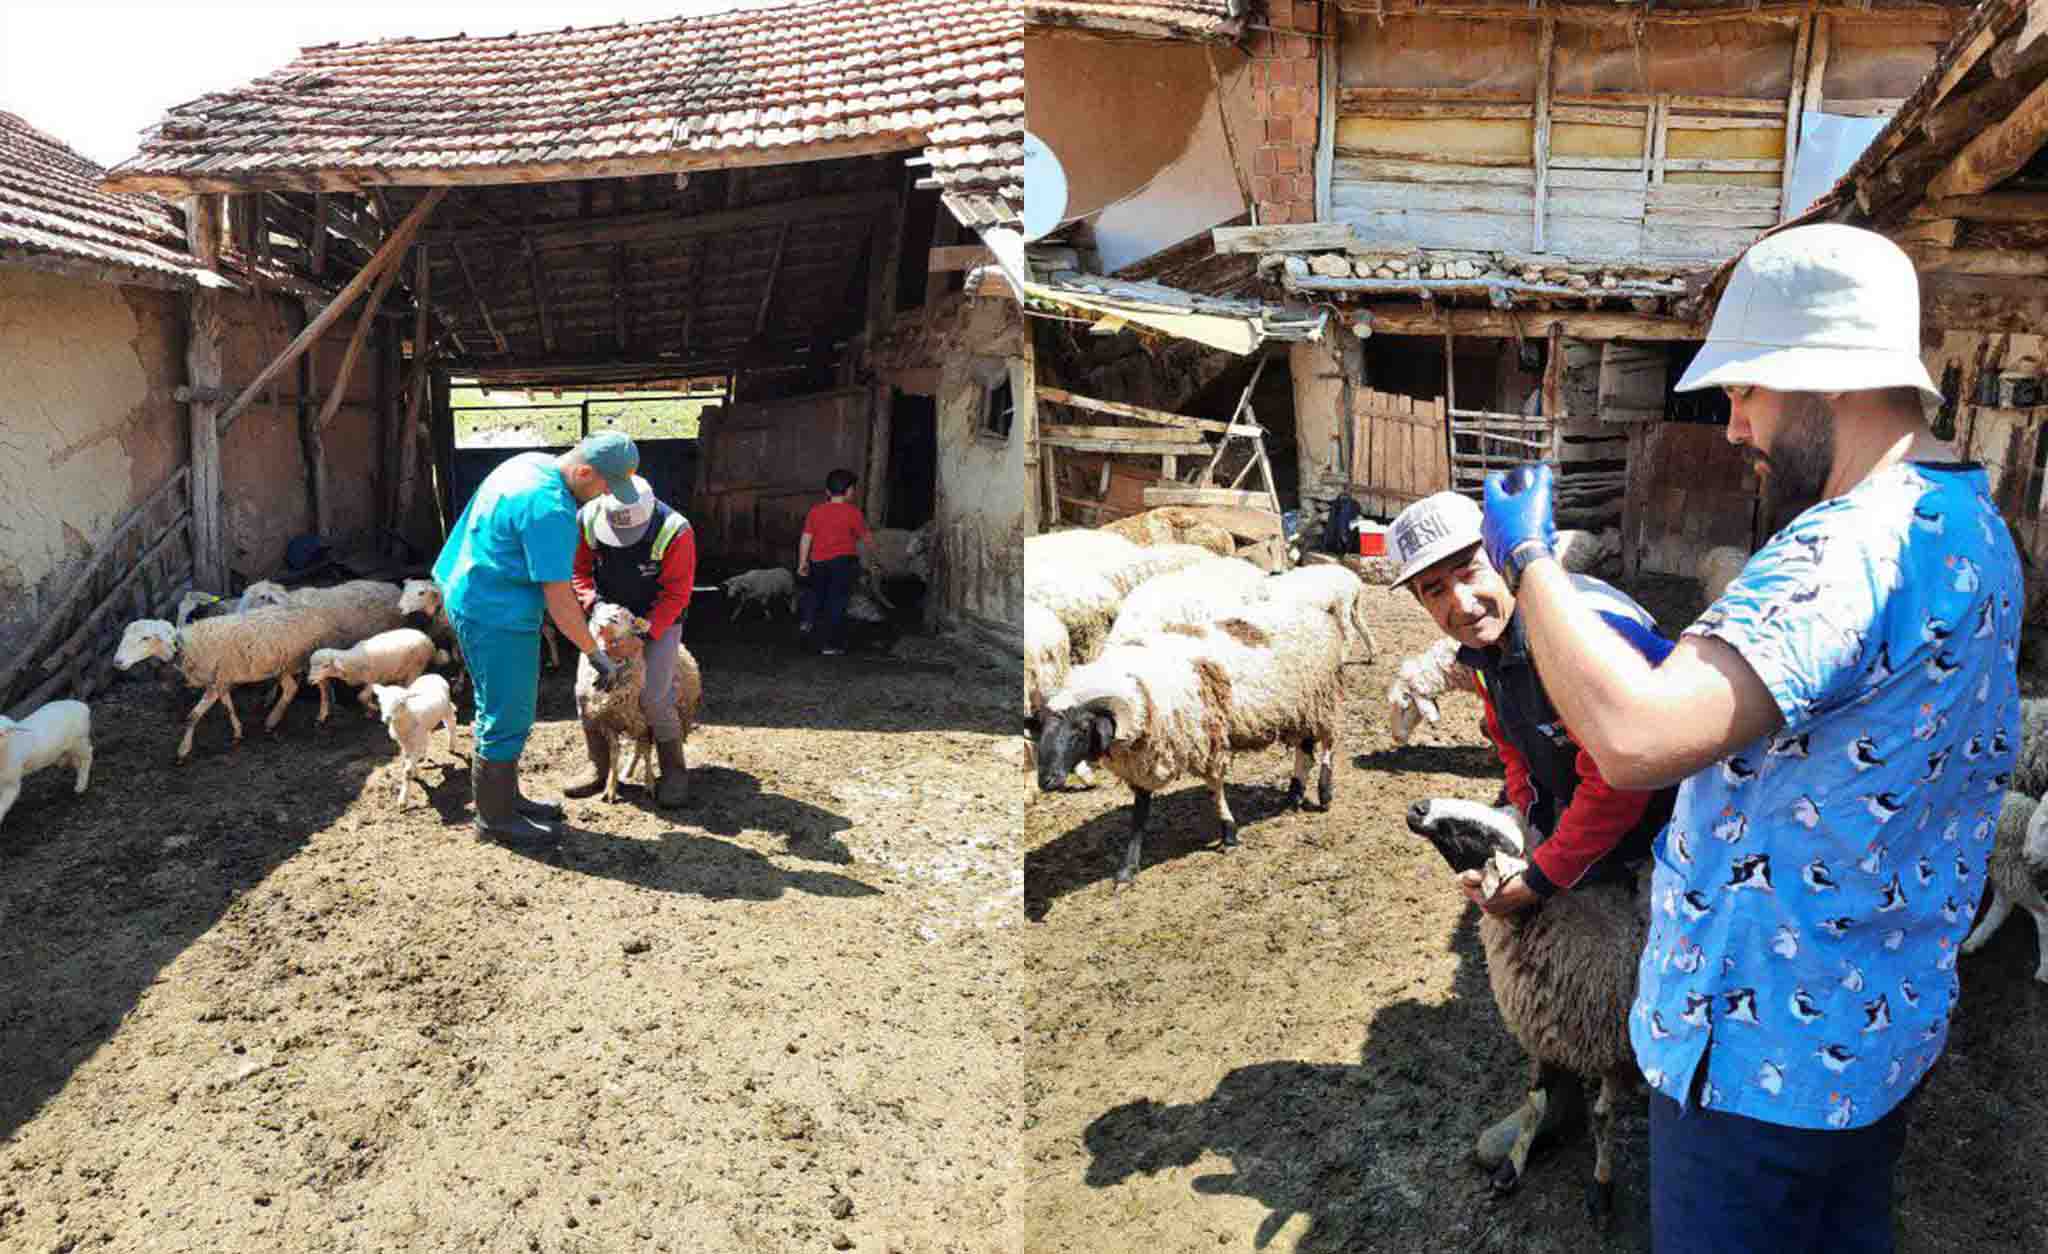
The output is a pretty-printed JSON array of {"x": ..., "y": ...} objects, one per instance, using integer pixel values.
[{"x": 517, "y": 533}]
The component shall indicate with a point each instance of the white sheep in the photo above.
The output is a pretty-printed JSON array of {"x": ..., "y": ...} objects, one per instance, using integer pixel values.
[
  {"x": 1083, "y": 577},
  {"x": 1587, "y": 552},
  {"x": 1182, "y": 701},
  {"x": 411, "y": 714},
  {"x": 422, "y": 598},
  {"x": 1334, "y": 588},
  {"x": 1563, "y": 975},
  {"x": 766, "y": 587},
  {"x": 1048, "y": 657},
  {"x": 1412, "y": 696},
  {"x": 1718, "y": 568},
  {"x": 616, "y": 712},
  {"x": 59, "y": 733},
  {"x": 897, "y": 553},
  {"x": 393, "y": 657},
  {"x": 2030, "y": 764},
  {"x": 215, "y": 654},
  {"x": 2018, "y": 871},
  {"x": 1192, "y": 595}
]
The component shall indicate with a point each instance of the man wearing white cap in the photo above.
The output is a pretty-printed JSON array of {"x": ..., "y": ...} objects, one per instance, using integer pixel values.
[
  {"x": 641, "y": 555},
  {"x": 1844, "y": 720},
  {"x": 1584, "y": 829}
]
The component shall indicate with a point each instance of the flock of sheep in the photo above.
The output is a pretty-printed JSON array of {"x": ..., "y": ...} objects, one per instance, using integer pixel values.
[
  {"x": 894, "y": 553},
  {"x": 1159, "y": 658}
]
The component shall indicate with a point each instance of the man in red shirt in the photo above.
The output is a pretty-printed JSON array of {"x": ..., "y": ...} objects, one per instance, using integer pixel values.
[
  {"x": 641, "y": 556},
  {"x": 835, "y": 540}
]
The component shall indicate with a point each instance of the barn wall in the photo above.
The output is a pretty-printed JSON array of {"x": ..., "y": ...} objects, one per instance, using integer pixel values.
[
  {"x": 88, "y": 428},
  {"x": 983, "y": 512},
  {"x": 2008, "y": 441},
  {"x": 1136, "y": 119}
]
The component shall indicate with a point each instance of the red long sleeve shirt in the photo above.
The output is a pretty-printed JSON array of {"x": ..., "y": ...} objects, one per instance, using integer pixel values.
[
  {"x": 1595, "y": 821},
  {"x": 678, "y": 574}
]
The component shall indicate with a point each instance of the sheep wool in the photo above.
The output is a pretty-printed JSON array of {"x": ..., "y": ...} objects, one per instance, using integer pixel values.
[
  {"x": 1197, "y": 593},
  {"x": 2018, "y": 870},
  {"x": 2030, "y": 767},
  {"x": 1718, "y": 568},
  {"x": 216, "y": 654},
  {"x": 616, "y": 713},
  {"x": 1331, "y": 587},
  {"x": 1048, "y": 656},
  {"x": 57, "y": 734}
]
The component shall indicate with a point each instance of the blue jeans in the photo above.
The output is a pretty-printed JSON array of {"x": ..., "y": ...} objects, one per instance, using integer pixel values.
[
  {"x": 1724, "y": 1184},
  {"x": 504, "y": 666},
  {"x": 824, "y": 600}
]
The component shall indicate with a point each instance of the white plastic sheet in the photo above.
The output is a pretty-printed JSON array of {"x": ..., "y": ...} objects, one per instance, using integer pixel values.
[{"x": 1828, "y": 145}]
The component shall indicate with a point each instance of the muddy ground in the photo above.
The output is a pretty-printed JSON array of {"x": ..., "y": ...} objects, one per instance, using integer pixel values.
[
  {"x": 1292, "y": 1046},
  {"x": 248, "y": 1005}
]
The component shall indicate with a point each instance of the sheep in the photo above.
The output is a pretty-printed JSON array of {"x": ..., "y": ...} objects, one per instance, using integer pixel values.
[
  {"x": 1332, "y": 587},
  {"x": 1083, "y": 576},
  {"x": 1048, "y": 657},
  {"x": 1586, "y": 552},
  {"x": 216, "y": 654},
  {"x": 2018, "y": 873},
  {"x": 896, "y": 553},
  {"x": 2030, "y": 764},
  {"x": 59, "y": 733},
  {"x": 1411, "y": 698},
  {"x": 1174, "y": 524},
  {"x": 1718, "y": 568},
  {"x": 410, "y": 714},
  {"x": 195, "y": 605},
  {"x": 764, "y": 587},
  {"x": 1182, "y": 700},
  {"x": 396, "y": 657},
  {"x": 616, "y": 713},
  {"x": 867, "y": 627},
  {"x": 420, "y": 601},
  {"x": 1193, "y": 594},
  {"x": 1563, "y": 975}
]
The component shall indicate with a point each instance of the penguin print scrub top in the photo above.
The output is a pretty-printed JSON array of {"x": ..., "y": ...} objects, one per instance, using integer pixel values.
[{"x": 1810, "y": 893}]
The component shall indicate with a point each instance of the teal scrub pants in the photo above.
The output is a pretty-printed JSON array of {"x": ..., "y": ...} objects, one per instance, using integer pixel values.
[{"x": 504, "y": 666}]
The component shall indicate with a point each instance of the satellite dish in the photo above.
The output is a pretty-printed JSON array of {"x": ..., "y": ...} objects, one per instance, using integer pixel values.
[{"x": 1045, "y": 189}]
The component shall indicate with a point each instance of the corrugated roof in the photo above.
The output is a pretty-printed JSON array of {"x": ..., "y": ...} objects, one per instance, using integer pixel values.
[
  {"x": 51, "y": 205},
  {"x": 1199, "y": 19},
  {"x": 820, "y": 78}
]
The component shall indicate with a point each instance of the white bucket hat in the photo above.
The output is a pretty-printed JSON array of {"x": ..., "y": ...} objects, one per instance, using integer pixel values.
[
  {"x": 615, "y": 520},
  {"x": 1431, "y": 530},
  {"x": 1823, "y": 308}
]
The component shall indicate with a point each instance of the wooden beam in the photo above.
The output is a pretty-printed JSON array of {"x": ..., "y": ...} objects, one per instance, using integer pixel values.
[
  {"x": 774, "y": 277},
  {"x": 1207, "y": 496},
  {"x": 415, "y": 397},
  {"x": 1998, "y": 152},
  {"x": 1244, "y": 183},
  {"x": 205, "y": 333},
  {"x": 476, "y": 297},
  {"x": 1797, "y": 77},
  {"x": 2001, "y": 207},
  {"x": 318, "y": 243},
  {"x": 1932, "y": 258},
  {"x": 958, "y": 257},
  {"x": 640, "y": 228},
  {"x": 1426, "y": 320},
  {"x": 885, "y": 250},
  {"x": 202, "y": 229},
  {"x": 1817, "y": 68},
  {"x": 1774, "y": 12},
  {"x": 386, "y": 255},
  {"x": 1546, "y": 44},
  {"x": 1297, "y": 237},
  {"x": 538, "y": 281},
  {"x": 1328, "y": 71},
  {"x": 1964, "y": 302},
  {"x": 1060, "y": 396},
  {"x": 620, "y": 331},
  {"x": 1553, "y": 375}
]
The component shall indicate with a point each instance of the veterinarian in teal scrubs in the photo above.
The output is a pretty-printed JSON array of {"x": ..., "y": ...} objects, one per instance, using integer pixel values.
[{"x": 509, "y": 557}]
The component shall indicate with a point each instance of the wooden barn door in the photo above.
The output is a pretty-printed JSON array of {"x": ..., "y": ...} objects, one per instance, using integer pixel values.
[
  {"x": 1400, "y": 451},
  {"x": 762, "y": 467}
]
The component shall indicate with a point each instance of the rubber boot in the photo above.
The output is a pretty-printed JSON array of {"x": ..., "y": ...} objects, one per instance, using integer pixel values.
[
  {"x": 1563, "y": 1114},
  {"x": 538, "y": 811},
  {"x": 673, "y": 788},
  {"x": 496, "y": 787},
  {"x": 592, "y": 781}
]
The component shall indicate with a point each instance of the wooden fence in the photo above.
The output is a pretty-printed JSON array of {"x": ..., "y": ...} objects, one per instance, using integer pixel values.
[
  {"x": 1399, "y": 451},
  {"x": 140, "y": 571}
]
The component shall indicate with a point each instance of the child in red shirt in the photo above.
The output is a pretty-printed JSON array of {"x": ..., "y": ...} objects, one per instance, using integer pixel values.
[{"x": 836, "y": 539}]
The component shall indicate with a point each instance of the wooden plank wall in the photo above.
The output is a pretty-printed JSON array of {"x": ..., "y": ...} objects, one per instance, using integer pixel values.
[
  {"x": 1399, "y": 452},
  {"x": 1689, "y": 490},
  {"x": 1425, "y": 158}
]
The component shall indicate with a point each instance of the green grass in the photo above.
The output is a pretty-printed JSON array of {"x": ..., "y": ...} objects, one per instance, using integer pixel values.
[{"x": 479, "y": 420}]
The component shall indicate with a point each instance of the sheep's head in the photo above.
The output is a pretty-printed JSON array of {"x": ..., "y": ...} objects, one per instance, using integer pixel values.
[
  {"x": 419, "y": 596},
  {"x": 615, "y": 624},
  {"x": 1472, "y": 836},
  {"x": 146, "y": 638},
  {"x": 323, "y": 665},
  {"x": 1405, "y": 710},
  {"x": 192, "y": 602},
  {"x": 264, "y": 593},
  {"x": 1068, "y": 737},
  {"x": 390, "y": 700}
]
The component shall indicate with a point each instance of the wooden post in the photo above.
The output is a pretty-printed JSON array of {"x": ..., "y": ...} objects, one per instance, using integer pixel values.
[
  {"x": 206, "y": 327},
  {"x": 387, "y": 254},
  {"x": 337, "y": 389},
  {"x": 318, "y": 244},
  {"x": 1818, "y": 68},
  {"x": 1450, "y": 398},
  {"x": 884, "y": 259},
  {"x": 1797, "y": 78},
  {"x": 409, "y": 433},
  {"x": 202, "y": 229},
  {"x": 1544, "y": 48},
  {"x": 1244, "y": 186},
  {"x": 1553, "y": 376},
  {"x": 1326, "y": 116},
  {"x": 310, "y": 445},
  {"x": 443, "y": 448}
]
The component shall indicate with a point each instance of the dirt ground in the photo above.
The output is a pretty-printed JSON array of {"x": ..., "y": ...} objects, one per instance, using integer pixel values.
[
  {"x": 1293, "y": 1046},
  {"x": 249, "y": 1005}
]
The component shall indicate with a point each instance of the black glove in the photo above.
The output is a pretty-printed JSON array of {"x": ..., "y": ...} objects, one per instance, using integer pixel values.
[{"x": 607, "y": 670}]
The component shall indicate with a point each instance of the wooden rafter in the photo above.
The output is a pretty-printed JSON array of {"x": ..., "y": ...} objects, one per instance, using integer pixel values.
[
  {"x": 318, "y": 244},
  {"x": 637, "y": 228},
  {"x": 386, "y": 256},
  {"x": 476, "y": 297},
  {"x": 619, "y": 295},
  {"x": 1998, "y": 152},
  {"x": 774, "y": 277},
  {"x": 538, "y": 279}
]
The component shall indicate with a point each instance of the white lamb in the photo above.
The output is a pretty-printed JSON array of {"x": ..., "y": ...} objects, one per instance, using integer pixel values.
[
  {"x": 2018, "y": 872},
  {"x": 1332, "y": 587},
  {"x": 59, "y": 733},
  {"x": 1187, "y": 597},
  {"x": 766, "y": 588},
  {"x": 1718, "y": 568},
  {"x": 411, "y": 714},
  {"x": 389, "y": 657},
  {"x": 217, "y": 653},
  {"x": 1412, "y": 697}
]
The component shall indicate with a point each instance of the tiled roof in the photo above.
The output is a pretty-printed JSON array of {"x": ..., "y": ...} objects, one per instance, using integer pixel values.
[
  {"x": 809, "y": 79},
  {"x": 51, "y": 206},
  {"x": 1202, "y": 19}
]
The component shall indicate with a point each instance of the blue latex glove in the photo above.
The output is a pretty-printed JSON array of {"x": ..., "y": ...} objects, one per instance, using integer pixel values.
[
  {"x": 607, "y": 669},
  {"x": 1517, "y": 527}
]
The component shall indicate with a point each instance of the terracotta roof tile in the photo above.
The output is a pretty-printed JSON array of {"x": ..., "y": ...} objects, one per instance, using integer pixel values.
[
  {"x": 757, "y": 81},
  {"x": 1201, "y": 19},
  {"x": 51, "y": 204}
]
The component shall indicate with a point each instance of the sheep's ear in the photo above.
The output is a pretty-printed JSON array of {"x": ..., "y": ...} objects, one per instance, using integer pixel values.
[
  {"x": 1101, "y": 732},
  {"x": 1034, "y": 724}
]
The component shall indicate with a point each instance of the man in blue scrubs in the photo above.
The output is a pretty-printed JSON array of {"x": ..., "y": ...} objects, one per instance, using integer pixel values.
[{"x": 509, "y": 556}]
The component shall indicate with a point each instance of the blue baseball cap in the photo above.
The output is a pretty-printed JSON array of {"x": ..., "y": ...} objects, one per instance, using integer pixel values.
[{"x": 616, "y": 458}]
